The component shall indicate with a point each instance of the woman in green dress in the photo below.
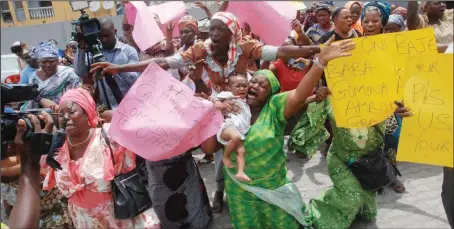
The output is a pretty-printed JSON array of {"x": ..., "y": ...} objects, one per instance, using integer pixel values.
[
  {"x": 339, "y": 205},
  {"x": 270, "y": 200}
]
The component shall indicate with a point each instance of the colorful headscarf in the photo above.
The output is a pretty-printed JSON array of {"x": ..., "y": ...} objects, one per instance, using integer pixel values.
[
  {"x": 84, "y": 99},
  {"x": 398, "y": 20},
  {"x": 330, "y": 3},
  {"x": 46, "y": 50},
  {"x": 349, "y": 4},
  {"x": 32, "y": 53},
  {"x": 189, "y": 21},
  {"x": 233, "y": 24},
  {"x": 323, "y": 7},
  {"x": 383, "y": 8},
  {"x": 274, "y": 82}
]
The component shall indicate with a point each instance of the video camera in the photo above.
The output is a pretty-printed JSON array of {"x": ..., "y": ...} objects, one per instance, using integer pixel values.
[
  {"x": 17, "y": 93},
  {"x": 44, "y": 143},
  {"x": 88, "y": 29}
]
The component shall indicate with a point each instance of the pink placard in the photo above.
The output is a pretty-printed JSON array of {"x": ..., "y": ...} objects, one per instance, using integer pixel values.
[
  {"x": 146, "y": 32},
  {"x": 160, "y": 117},
  {"x": 269, "y": 20},
  {"x": 131, "y": 10}
]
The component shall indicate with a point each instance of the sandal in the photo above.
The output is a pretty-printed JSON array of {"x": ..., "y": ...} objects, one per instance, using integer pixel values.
[
  {"x": 398, "y": 186},
  {"x": 218, "y": 202},
  {"x": 207, "y": 159}
]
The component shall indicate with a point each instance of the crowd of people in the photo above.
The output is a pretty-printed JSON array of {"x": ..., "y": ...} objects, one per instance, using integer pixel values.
[{"x": 264, "y": 92}]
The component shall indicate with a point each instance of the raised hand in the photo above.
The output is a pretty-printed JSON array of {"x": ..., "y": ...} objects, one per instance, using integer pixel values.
[
  {"x": 169, "y": 30},
  {"x": 296, "y": 25},
  {"x": 321, "y": 94},
  {"x": 401, "y": 110},
  {"x": 200, "y": 5}
]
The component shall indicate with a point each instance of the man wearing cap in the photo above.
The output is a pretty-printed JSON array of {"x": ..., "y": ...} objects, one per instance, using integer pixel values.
[
  {"x": 204, "y": 29},
  {"x": 29, "y": 56}
]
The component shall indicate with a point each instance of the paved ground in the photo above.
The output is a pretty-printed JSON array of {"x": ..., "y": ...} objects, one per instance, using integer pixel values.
[{"x": 419, "y": 207}]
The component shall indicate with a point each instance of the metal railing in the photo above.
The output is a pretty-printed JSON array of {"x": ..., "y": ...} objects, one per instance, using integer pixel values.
[{"x": 41, "y": 12}]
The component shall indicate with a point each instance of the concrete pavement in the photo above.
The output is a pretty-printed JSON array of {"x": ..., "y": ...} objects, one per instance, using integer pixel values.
[{"x": 419, "y": 207}]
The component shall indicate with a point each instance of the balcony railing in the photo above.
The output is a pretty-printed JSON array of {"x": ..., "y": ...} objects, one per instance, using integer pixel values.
[{"x": 41, "y": 12}]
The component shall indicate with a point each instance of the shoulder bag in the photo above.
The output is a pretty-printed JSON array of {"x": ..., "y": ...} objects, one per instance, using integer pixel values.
[
  {"x": 374, "y": 170},
  {"x": 129, "y": 192}
]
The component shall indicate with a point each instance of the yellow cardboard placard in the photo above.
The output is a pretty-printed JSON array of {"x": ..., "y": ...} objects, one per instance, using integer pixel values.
[
  {"x": 426, "y": 137},
  {"x": 365, "y": 85}
]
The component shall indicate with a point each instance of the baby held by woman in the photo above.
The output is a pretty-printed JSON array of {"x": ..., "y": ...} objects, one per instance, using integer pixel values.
[{"x": 235, "y": 126}]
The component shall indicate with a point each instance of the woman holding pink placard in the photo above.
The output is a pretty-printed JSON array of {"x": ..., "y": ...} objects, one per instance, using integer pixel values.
[{"x": 89, "y": 162}]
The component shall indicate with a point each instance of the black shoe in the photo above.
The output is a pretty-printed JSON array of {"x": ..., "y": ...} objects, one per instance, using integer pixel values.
[{"x": 218, "y": 202}]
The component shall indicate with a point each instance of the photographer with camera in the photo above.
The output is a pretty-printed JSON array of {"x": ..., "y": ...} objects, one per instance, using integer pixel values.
[
  {"x": 113, "y": 51},
  {"x": 26, "y": 211},
  {"x": 53, "y": 205}
]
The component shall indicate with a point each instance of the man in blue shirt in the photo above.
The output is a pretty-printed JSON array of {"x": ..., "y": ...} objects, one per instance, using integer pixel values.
[
  {"x": 115, "y": 52},
  {"x": 32, "y": 66}
]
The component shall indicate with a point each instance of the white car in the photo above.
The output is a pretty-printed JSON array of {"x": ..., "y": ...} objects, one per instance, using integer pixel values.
[{"x": 9, "y": 66}]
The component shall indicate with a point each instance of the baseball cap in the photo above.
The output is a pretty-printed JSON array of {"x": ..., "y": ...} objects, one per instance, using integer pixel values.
[
  {"x": 16, "y": 47},
  {"x": 204, "y": 25}
]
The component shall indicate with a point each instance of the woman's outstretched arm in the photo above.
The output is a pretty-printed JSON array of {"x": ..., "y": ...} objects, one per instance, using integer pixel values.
[
  {"x": 296, "y": 98},
  {"x": 112, "y": 69},
  {"x": 289, "y": 51}
]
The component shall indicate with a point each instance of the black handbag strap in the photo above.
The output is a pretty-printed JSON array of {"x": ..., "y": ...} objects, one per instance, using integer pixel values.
[
  {"x": 110, "y": 81},
  {"x": 383, "y": 145},
  {"x": 114, "y": 88},
  {"x": 138, "y": 162},
  {"x": 108, "y": 144}
]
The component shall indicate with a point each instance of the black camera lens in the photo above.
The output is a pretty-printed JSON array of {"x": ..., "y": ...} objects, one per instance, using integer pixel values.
[{"x": 16, "y": 49}]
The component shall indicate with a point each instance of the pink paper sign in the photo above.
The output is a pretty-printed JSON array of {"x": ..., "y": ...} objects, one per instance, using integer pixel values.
[
  {"x": 146, "y": 32},
  {"x": 131, "y": 11},
  {"x": 160, "y": 117},
  {"x": 269, "y": 20}
]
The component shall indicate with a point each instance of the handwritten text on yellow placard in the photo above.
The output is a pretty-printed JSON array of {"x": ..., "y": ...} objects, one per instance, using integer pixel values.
[
  {"x": 426, "y": 137},
  {"x": 365, "y": 85}
]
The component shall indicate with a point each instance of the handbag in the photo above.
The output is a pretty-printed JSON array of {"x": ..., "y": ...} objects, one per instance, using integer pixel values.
[
  {"x": 374, "y": 170},
  {"x": 129, "y": 192}
]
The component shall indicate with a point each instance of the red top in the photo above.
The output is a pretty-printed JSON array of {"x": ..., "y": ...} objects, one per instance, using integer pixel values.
[{"x": 288, "y": 77}]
